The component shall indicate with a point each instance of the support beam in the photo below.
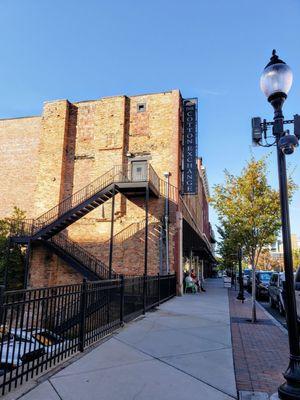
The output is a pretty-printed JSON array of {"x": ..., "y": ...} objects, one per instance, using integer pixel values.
[
  {"x": 146, "y": 230},
  {"x": 27, "y": 263},
  {"x": 111, "y": 243},
  {"x": 146, "y": 249}
]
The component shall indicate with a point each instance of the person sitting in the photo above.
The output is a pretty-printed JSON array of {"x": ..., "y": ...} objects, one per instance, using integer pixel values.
[
  {"x": 185, "y": 274},
  {"x": 190, "y": 284},
  {"x": 195, "y": 279},
  {"x": 198, "y": 281}
]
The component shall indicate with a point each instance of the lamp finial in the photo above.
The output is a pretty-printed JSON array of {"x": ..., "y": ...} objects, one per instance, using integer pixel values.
[{"x": 274, "y": 59}]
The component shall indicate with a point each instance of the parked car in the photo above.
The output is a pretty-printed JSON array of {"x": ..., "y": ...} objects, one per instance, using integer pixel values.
[
  {"x": 262, "y": 280},
  {"x": 15, "y": 351},
  {"x": 275, "y": 292},
  {"x": 246, "y": 277},
  {"x": 297, "y": 292},
  {"x": 49, "y": 341}
]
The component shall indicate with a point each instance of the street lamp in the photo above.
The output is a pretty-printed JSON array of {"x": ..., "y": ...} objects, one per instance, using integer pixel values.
[{"x": 275, "y": 82}]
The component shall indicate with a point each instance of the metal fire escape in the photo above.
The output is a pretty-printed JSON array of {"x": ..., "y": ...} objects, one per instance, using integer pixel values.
[{"x": 48, "y": 227}]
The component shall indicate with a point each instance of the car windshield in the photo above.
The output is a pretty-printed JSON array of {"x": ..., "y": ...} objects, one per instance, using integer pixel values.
[{"x": 265, "y": 277}]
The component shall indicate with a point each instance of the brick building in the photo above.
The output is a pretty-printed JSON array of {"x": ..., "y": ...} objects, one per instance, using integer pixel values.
[{"x": 78, "y": 164}]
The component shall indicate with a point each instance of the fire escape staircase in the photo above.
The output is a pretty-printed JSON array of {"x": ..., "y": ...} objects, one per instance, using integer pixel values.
[
  {"x": 78, "y": 257},
  {"x": 47, "y": 227}
]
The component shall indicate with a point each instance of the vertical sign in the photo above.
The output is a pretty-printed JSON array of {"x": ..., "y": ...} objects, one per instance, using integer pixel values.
[{"x": 189, "y": 176}]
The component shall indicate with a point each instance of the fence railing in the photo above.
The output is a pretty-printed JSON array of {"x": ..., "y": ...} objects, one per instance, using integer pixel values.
[{"x": 39, "y": 328}]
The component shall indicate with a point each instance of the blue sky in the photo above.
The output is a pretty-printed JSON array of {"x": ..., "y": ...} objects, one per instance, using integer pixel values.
[{"x": 214, "y": 50}]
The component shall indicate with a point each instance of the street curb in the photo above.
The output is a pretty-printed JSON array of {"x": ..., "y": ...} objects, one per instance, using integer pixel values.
[
  {"x": 248, "y": 395},
  {"x": 274, "y": 320}
]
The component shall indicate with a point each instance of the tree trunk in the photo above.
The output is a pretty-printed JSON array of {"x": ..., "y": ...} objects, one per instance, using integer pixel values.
[{"x": 253, "y": 292}]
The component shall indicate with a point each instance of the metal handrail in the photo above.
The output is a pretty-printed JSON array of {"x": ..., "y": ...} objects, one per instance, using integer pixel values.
[
  {"x": 21, "y": 228},
  {"x": 82, "y": 255},
  {"x": 74, "y": 200},
  {"x": 117, "y": 174}
]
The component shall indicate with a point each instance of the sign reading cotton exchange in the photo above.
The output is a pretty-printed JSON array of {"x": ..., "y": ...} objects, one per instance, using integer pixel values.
[{"x": 189, "y": 146}]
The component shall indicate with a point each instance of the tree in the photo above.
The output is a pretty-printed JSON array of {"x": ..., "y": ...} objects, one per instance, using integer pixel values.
[
  {"x": 296, "y": 258},
  {"x": 268, "y": 262},
  {"x": 11, "y": 264},
  {"x": 250, "y": 208},
  {"x": 227, "y": 247}
]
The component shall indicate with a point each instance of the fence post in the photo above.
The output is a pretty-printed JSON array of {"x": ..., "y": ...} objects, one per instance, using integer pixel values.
[
  {"x": 122, "y": 290},
  {"x": 174, "y": 285},
  {"x": 2, "y": 290},
  {"x": 169, "y": 284},
  {"x": 6, "y": 265},
  {"x": 158, "y": 285},
  {"x": 82, "y": 315},
  {"x": 144, "y": 293}
]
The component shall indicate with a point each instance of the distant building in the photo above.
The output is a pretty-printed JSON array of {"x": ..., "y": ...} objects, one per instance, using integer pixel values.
[{"x": 276, "y": 249}]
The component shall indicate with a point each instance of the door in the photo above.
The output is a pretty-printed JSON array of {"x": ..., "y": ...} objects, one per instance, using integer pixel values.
[{"x": 139, "y": 170}]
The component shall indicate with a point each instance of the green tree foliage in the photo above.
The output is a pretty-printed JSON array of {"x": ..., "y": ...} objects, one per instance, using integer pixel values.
[
  {"x": 13, "y": 262},
  {"x": 296, "y": 258},
  {"x": 249, "y": 211},
  {"x": 227, "y": 247}
]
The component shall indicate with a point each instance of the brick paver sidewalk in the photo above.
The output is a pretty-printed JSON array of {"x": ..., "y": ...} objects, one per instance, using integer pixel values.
[{"x": 260, "y": 350}]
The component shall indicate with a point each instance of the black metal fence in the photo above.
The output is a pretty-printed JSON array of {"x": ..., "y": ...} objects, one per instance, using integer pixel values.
[{"x": 42, "y": 327}]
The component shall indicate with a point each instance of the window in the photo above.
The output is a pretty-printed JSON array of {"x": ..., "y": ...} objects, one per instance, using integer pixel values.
[
  {"x": 141, "y": 107},
  {"x": 264, "y": 277}
]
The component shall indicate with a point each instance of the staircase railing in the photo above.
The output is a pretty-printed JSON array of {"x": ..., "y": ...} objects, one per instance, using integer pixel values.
[
  {"x": 117, "y": 174},
  {"x": 75, "y": 199},
  {"x": 21, "y": 228},
  {"x": 82, "y": 255}
]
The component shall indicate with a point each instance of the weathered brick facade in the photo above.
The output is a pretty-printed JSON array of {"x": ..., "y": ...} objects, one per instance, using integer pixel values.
[{"x": 48, "y": 158}]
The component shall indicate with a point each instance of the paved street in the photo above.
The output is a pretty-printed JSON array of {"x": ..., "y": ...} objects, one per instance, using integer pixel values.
[{"x": 181, "y": 351}]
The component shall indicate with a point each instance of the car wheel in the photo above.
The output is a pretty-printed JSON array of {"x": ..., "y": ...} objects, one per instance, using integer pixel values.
[{"x": 280, "y": 308}]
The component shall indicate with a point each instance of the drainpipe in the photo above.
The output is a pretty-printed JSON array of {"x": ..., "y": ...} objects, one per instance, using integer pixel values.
[{"x": 167, "y": 176}]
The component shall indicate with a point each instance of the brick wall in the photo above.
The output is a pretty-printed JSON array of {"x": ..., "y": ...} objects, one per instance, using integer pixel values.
[
  {"x": 70, "y": 146},
  {"x": 19, "y": 145}
]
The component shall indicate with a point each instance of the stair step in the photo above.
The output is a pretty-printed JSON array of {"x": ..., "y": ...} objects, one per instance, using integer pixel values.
[
  {"x": 105, "y": 196},
  {"x": 71, "y": 219},
  {"x": 80, "y": 213},
  {"x": 62, "y": 223},
  {"x": 99, "y": 201},
  {"x": 89, "y": 208}
]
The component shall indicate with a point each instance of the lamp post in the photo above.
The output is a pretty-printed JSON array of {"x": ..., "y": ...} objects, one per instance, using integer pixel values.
[{"x": 275, "y": 82}]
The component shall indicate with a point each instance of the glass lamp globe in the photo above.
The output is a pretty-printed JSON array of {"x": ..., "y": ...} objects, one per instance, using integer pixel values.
[{"x": 277, "y": 77}]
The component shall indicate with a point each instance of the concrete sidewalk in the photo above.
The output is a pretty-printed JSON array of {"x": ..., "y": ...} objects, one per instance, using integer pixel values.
[{"x": 181, "y": 351}]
